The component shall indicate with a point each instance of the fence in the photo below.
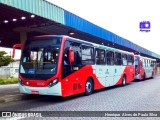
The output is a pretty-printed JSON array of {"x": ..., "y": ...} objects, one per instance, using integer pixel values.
[{"x": 10, "y": 71}]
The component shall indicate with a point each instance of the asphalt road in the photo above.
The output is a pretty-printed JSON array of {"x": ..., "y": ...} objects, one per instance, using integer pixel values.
[
  {"x": 136, "y": 96},
  {"x": 13, "y": 89}
]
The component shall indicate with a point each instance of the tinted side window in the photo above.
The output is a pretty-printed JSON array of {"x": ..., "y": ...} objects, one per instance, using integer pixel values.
[
  {"x": 77, "y": 53},
  {"x": 152, "y": 63},
  {"x": 87, "y": 55},
  {"x": 67, "y": 69},
  {"x": 110, "y": 57},
  {"x": 144, "y": 62},
  {"x": 149, "y": 63},
  {"x": 118, "y": 60},
  {"x": 130, "y": 59},
  {"x": 100, "y": 57},
  {"x": 124, "y": 59}
]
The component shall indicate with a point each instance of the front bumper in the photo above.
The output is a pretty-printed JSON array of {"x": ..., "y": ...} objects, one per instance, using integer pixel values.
[{"x": 55, "y": 90}]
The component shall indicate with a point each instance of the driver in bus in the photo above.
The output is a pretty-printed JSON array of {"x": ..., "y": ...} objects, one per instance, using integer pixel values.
[
  {"x": 66, "y": 57},
  {"x": 65, "y": 60}
]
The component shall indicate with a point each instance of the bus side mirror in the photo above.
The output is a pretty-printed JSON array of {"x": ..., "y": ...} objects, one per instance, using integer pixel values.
[
  {"x": 14, "y": 47},
  {"x": 71, "y": 55}
]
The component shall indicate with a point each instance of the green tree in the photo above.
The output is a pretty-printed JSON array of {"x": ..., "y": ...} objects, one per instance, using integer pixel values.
[{"x": 4, "y": 59}]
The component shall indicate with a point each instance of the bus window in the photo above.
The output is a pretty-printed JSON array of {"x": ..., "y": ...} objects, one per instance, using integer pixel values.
[
  {"x": 87, "y": 55},
  {"x": 67, "y": 66},
  {"x": 100, "y": 57},
  {"x": 77, "y": 53},
  {"x": 155, "y": 64},
  {"x": 145, "y": 61},
  {"x": 124, "y": 59},
  {"x": 130, "y": 60},
  {"x": 149, "y": 63},
  {"x": 152, "y": 64},
  {"x": 110, "y": 58},
  {"x": 41, "y": 61},
  {"x": 51, "y": 56},
  {"x": 118, "y": 60}
]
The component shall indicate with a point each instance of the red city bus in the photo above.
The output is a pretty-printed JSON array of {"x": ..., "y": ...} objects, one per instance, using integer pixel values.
[
  {"x": 144, "y": 67},
  {"x": 63, "y": 66}
]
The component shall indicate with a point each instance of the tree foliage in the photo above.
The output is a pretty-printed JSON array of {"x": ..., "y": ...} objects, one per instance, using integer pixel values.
[{"x": 4, "y": 59}]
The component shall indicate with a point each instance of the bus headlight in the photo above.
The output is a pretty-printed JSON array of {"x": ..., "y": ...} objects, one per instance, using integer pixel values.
[
  {"x": 52, "y": 83},
  {"x": 20, "y": 82}
]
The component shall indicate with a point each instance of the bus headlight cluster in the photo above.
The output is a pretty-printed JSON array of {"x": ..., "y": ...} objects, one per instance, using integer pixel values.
[
  {"x": 52, "y": 83},
  {"x": 20, "y": 82}
]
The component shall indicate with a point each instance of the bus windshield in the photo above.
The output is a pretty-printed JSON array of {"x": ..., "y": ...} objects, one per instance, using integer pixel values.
[{"x": 39, "y": 61}]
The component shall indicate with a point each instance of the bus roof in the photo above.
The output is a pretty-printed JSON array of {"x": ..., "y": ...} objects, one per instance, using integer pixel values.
[
  {"x": 94, "y": 44},
  {"x": 102, "y": 46},
  {"x": 142, "y": 57}
]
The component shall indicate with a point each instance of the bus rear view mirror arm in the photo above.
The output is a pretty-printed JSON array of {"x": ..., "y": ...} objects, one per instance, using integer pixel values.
[{"x": 14, "y": 47}]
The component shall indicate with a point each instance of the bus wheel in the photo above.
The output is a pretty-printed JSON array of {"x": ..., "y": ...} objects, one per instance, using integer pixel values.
[
  {"x": 89, "y": 87},
  {"x": 124, "y": 80}
]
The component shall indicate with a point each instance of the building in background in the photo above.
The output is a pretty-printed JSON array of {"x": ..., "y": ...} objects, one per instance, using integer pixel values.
[{"x": 10, "y": 71}]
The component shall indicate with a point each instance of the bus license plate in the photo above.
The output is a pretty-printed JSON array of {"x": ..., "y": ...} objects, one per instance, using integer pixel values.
[{"x": 34, "y": 92}]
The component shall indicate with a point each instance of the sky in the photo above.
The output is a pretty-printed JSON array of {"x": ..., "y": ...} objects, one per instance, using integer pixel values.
[{"x": 121, "y": 17}]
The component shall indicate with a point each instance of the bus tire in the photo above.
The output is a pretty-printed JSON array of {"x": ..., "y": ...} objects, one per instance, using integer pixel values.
[
  {"x": 89, "y": 87},
  {"x": 124, "y": 80}
]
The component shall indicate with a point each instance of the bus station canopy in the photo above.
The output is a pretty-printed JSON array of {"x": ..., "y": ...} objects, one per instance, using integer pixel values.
[{"x": 39, "y": 17}]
